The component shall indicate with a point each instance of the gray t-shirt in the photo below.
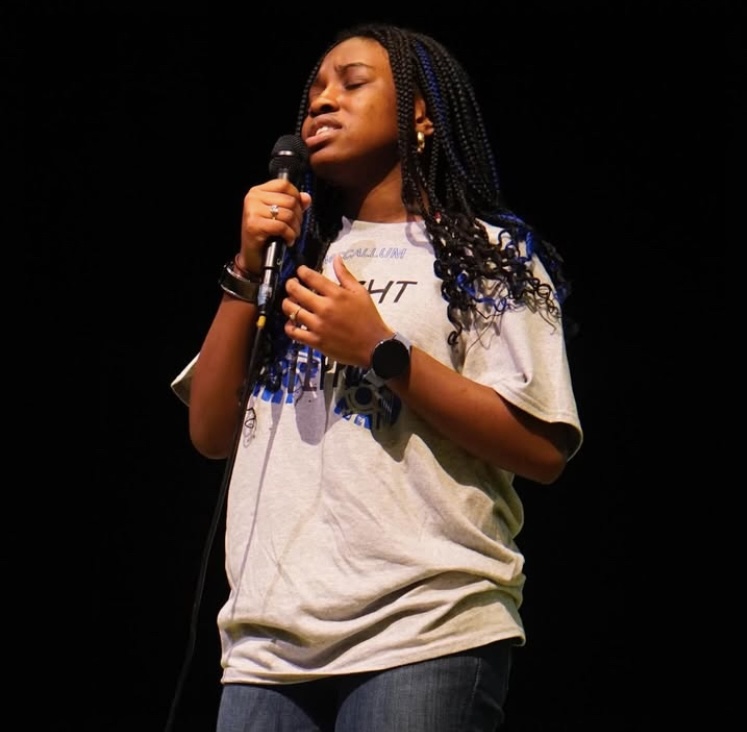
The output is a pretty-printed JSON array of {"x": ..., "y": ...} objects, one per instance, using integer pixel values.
[{"x": 357, "y": 537}]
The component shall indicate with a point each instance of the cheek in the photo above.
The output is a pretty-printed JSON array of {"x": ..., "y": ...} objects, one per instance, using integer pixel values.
[{"x": 382, "y": 117}]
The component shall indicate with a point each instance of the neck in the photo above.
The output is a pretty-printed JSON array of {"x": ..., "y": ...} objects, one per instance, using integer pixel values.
[{"x": 380, "y": 203}]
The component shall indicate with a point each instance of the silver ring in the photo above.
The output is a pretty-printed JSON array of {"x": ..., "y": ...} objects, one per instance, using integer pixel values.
[
  {"x": 274, "y": 210},
  {"x": 293, "y": 316}
]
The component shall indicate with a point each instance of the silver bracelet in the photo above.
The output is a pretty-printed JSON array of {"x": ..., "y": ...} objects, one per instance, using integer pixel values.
[{"x": 237, "y": 286}]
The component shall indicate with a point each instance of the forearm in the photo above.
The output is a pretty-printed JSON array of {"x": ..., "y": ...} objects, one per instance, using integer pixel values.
[
  {"x": 480, "y": 421},
  {"x": 219, "y": 375}
]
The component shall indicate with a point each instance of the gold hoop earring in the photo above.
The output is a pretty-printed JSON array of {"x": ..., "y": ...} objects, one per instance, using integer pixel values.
[{"x": 421, "y": 141}]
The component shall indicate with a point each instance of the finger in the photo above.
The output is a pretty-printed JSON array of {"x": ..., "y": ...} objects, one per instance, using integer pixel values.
[
  {"x": 299, "y": 302},
  {"x": 299, "y": 293},
  {"x": 293, "y": 331},
  {"x": 315, "y": 281},
  {"x": 344, "y": 277},
  {"x": 294, "y": 315},
  {"x": 281, "y": 220},
  {"x": 300, "y": 334},
  {"x": 288, "y": 306},
  {"x": 288, "y": 209}
]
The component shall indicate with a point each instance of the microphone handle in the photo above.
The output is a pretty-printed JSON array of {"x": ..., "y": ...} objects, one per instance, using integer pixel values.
[{"x": 274, "y": 253}]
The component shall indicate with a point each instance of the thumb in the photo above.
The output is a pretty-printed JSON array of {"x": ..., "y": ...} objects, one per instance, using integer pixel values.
[
  {"x": 346, "y": 280},
  {"x": 305, "y": 200}
]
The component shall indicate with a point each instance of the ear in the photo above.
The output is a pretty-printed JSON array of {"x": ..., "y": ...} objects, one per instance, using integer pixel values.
[{"x": 422, "y": 120}]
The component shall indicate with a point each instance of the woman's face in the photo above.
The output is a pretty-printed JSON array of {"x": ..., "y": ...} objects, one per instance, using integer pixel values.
[{"x": 351, "y": 124}]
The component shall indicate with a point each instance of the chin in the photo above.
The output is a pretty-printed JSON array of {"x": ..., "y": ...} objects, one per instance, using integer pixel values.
[{"x": 327, "y": 167}]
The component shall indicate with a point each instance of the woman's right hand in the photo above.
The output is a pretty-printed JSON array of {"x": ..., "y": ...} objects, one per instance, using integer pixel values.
[{"x": 271, "y": 209}]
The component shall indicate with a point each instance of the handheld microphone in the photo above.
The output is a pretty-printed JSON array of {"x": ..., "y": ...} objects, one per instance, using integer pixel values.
[{"x": 288, "y": 162}]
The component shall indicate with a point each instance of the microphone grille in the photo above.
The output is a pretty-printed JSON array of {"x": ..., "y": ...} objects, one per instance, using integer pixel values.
[{"x": 290, "y": 156}]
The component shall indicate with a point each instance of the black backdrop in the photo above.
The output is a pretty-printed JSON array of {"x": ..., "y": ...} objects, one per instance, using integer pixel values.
[{"x": 141, "y": 132}]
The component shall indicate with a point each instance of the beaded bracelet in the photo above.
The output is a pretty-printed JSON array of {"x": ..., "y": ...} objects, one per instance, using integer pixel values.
[{"x": 245, "y": 273}]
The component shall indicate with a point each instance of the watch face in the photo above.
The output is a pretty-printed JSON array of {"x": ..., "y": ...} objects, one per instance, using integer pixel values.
[{"x": 390, "y": 358}]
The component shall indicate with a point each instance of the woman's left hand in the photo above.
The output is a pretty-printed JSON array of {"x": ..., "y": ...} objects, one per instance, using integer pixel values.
[{"x": 340, "y": 320}]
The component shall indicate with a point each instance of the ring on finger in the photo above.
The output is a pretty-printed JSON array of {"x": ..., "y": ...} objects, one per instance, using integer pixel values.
[
  {"x": 294, "y": 316},
  {"x": 274, "y": 211}
]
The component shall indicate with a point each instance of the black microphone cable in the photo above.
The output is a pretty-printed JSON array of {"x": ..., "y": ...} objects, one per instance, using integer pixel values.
[{"x": 288, "y": 161}]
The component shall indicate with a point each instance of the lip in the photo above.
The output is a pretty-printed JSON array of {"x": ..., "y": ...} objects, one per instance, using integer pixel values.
[{"x": 322, "y": 130}]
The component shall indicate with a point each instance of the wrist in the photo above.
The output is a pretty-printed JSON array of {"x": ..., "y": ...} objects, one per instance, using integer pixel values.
[
  {"x": 242, "y": 270},
  {"x": 389, "y": 359}
]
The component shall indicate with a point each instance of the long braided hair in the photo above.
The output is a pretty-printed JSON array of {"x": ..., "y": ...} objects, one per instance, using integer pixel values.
[{"x": 452, "y": 185}]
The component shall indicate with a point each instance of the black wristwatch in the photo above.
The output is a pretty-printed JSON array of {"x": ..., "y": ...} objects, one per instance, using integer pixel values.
[{"x": 390, "y": 358}]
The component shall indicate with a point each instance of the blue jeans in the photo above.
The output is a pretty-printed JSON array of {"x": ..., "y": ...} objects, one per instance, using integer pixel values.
[{"x": 463, "y": 692}]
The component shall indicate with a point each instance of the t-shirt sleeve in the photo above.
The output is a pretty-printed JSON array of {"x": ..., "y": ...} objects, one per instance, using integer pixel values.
[
  {"x": 182, "y": 383},
  {"x": 522, "y": 355}
]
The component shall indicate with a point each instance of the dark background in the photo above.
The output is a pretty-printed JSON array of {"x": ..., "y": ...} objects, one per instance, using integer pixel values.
[{"x": 141, "y": 132}]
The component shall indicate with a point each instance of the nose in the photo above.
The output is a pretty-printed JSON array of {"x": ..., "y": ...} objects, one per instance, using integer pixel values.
[{"x": 323, "y": 102}]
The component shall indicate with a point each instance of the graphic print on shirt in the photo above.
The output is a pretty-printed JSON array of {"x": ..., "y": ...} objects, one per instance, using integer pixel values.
[
  {"x": 366, "y": 252},
  {"x": 355, "y": 400}
]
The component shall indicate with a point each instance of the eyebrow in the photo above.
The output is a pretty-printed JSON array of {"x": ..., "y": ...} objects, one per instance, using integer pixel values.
[
  {"x": 344, "y": 67},
  {"x": 340, "y": 69}
]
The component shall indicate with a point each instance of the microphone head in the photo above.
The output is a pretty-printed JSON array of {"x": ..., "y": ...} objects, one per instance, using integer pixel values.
[{"x": 289, "y": 158}]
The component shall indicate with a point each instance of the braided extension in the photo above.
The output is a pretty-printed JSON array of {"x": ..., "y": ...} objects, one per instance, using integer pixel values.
[{"x": 452, "y": 184}]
